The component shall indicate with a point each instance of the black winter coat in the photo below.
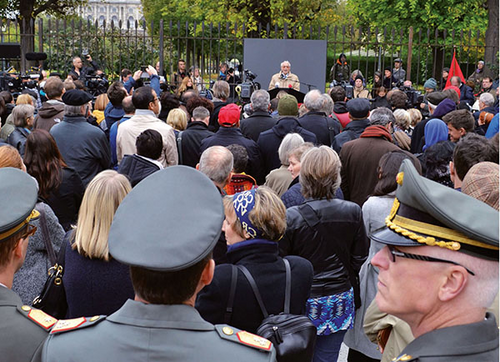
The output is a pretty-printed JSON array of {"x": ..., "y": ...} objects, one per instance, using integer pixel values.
[
  {"x": 317, "y": 123},
  {"x": 17, "y": 139},
  {"x": 191, "y": 142},
  {"x": 228, "y": 136},
  {"x": 136, "y": 168},
  {"x": 257, "y": 123},
  {"x": 66, "y": 200},
  {"x": 268, "y": 270},
  {"x": 270, "y": 140},
  {"x": 351, "y": 132},
  {"x": 341, "y": 222}
]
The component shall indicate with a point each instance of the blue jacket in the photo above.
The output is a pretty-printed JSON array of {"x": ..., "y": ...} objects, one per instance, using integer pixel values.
[
  {"x": 113, "y": 114},
  {"x": 155, "y": 84},
  {"x": 113, "y": 131}
]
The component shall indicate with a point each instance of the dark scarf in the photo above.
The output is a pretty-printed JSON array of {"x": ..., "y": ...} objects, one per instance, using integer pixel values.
[{"x": 376, "y": 131}]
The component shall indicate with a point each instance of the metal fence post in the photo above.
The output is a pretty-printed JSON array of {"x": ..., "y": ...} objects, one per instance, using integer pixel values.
[{"x": 410, "y": 48}]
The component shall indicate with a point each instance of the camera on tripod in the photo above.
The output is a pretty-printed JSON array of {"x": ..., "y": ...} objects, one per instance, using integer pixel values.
[
  {"x": 248, "y": 86},
  {"x": 348, "y": 88},
  {"x": 96, "y": 84}
]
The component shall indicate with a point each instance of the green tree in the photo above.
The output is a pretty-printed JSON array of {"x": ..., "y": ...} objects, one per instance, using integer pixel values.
[
  {"x": 441, "y": 15},
  {"x": 250, "y": 12},
  {"x": 26, "y": 11}
]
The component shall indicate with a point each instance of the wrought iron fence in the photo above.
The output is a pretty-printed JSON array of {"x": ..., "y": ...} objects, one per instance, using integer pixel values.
[{"x": 118, "y": 46}]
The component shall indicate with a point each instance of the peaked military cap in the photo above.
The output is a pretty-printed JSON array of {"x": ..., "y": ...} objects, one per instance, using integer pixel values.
[
  {"x": 19, "y": 192},
  {"x": 428, "y": 213},
  {"x": 170, "y": 221}
]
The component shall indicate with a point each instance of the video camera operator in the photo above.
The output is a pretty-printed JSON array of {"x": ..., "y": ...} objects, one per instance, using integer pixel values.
[
  {"x": 79, "y": 71},
  {"x": 415, "y": 98}
]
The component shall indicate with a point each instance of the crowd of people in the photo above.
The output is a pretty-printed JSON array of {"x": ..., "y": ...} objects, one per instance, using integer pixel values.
[{"x": 346, "y": 196}]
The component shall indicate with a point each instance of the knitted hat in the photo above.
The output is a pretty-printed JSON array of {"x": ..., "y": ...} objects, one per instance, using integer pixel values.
[
  {"x": 288, "y": 106},
  {"x": 430, "y": 83},
  {"x": 481, "y": 182}
]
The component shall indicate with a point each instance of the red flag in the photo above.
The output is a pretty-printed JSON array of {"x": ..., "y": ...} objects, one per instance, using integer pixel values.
[{"x": 454, "y": 70}]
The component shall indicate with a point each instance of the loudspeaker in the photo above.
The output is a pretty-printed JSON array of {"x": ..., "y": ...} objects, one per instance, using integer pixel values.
[{"x": 10, "y": 51}]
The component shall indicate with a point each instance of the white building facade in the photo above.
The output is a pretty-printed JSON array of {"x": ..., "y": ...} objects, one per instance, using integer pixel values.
[{"x": 126, "y": 11}]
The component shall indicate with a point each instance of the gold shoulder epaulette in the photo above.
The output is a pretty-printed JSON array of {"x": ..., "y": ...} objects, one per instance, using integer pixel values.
[
  {"x": 243, "y": 337},
  {"x": 404, "y": 357},
  {"x": 38, "y": 316},
  {"x": 64, "y": 325}
]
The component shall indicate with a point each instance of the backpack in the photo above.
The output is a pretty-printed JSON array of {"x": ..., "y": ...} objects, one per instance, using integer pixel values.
[{"x": 293, "y": 336}]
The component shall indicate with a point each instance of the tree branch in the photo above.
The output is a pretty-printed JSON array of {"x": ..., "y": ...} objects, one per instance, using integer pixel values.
[{"x": 44, "y": 7}]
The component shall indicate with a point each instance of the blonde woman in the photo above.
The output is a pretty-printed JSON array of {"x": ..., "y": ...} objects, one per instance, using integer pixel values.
[
  {"x": 101, "y": 102},
  {"x": 95, "y": 283},
  {"x": 401, "y": 129},
  {"x": 177, "y": 119}
]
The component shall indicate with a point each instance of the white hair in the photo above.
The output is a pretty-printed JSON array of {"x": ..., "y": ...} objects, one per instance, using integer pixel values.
[
  {"x": 481, "y": 288},
  {"x": 285, "y": 62},
  {"x": 487, "y": 99},
  {"x": 291, "y": 141}
]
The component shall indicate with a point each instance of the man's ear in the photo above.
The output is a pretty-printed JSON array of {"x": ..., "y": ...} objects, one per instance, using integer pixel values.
[
  {"x": 462, "y": 132},
  {"x": 452, "y": 170},
  {"x": 455, "y": 281},
  {"x": 198, "y": 166},
  {"x": 208, "y": 273}
]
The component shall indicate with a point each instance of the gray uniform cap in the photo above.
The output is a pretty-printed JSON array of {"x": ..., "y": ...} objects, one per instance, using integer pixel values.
[
  {"x": 19, "y": 194},
  {"x": 170, "y": 221},
  {"x": 428, "y": 213}
]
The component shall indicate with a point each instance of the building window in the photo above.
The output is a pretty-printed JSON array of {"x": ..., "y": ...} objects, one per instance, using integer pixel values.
[
  {"x": 131, "y": 22},
  {"x": 101, "y": 20}
]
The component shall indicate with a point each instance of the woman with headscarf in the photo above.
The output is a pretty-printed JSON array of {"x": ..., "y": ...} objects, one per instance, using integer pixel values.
[{"x": 255, "y": 222}]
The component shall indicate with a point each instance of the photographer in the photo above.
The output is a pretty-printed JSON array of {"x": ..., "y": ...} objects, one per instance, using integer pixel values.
[{"x": 79, "y": 71}]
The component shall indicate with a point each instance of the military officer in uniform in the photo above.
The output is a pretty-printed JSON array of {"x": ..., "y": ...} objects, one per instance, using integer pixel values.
[
  {"x": 439, "y": 270},
  {"x": 166, "y": 235},
  {"x": 22, "y": 328}
]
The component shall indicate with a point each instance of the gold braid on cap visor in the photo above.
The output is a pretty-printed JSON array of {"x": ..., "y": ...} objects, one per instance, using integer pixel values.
[
  {"x": 409, "y": 228},
  {"x": 34, "y": 214}
]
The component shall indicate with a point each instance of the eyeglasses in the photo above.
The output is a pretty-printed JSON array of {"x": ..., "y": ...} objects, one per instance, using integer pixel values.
[
  {"x": 30, "y": 231},
  {"x": 394, "y": 252}
]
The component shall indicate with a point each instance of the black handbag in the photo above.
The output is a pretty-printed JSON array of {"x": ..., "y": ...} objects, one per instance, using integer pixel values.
[
  {"x": 293, "y": 336},
  {"x": 52, "y": 298}
]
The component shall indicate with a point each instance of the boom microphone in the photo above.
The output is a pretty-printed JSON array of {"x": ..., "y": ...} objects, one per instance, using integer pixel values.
[{"x": 36, "y": 56}]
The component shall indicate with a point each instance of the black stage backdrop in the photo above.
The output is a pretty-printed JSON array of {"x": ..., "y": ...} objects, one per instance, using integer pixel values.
[{"x": 307, "y": 57}]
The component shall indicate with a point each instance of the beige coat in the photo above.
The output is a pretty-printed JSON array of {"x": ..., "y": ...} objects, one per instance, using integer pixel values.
[
  {"x": 400, "y": 336},
  {"x": 143, "y": 120},
  {"x": 363, "y": 93},
  {"x": 292, "y": 81}
]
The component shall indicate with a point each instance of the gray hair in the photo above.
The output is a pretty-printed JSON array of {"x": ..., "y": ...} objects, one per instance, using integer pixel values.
[
  {"x": 314, "y": 100},
  {"x": 260, "y": 100},
  {"x": 402, "y": 118},
  {"x": 285, "y": 62},
  {"x": 327, "y": 104},
  {"x": 487, "y": 99},
  {"x": 73, "y": 110},
  {"x": 200, "y": 113},
  {"x": 290, "y": 142},
  {"x": 482, "y": 288},
  {"x": 381, "y": 116},
  {"x": 221, "y": 89},
  {"x": 216, "y": 163},
  {"x": 21, "y": 113}
]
